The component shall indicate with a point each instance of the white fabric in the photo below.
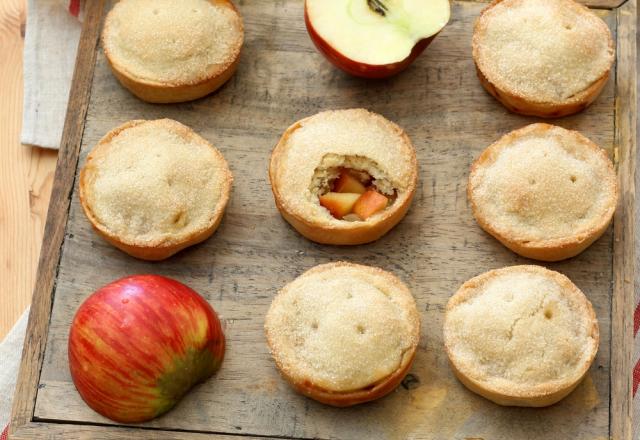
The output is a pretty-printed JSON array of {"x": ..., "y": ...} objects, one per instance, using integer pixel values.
[
  {"x": 10, "y": 353},
  {"x": 51, "y": 43}
]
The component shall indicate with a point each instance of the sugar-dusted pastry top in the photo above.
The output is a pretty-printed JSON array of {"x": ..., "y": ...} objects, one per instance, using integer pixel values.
[
  {"x": 172, "y": 42},
  {"x": 542, "y": 50},
  {"x": 152, "y": 182},
  {"x": 311, "y": 151},
  {"x": 342, "y": 327},
  {"x": 543, "y": 182},
  {"x": 521, "y": 330}
]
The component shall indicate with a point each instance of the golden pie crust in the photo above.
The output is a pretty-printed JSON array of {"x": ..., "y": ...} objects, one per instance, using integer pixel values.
[
  {"x": 544, "y": 192},
  {"x": 153, "y": 188},
  {"x": 520, "y": 335},
  {"x": 314, "y": 147},
  {"x": 546, "y": 58},
  {"x": 343, "y": 333},
  {"x": 167, "y": 51}
]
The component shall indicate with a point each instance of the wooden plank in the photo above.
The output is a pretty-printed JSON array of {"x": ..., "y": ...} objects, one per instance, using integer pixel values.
[
  {"x": 623, "y": 301},
  {"x": 603, "y": 4},
  {"x": 37, "y": 329},
  {"x": 26, "y": 176},
  {"x": 450, "y": 119},
  {"x": 58, "y": 431}
]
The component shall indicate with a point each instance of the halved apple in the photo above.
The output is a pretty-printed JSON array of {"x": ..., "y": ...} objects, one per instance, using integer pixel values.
[
  {"x": 347, "y": 183},
  {"x": 339, "y": 204},
  {"x": 374, "y": 38},
  {"x": 369, "y": 203}
]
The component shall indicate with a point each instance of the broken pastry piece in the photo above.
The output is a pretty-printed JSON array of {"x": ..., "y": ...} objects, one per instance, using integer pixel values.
[{"x": 343, "y": 177}]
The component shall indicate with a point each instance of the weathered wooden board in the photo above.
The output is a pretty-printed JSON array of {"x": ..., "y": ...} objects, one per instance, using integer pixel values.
[{"x": 450, "y": 119}]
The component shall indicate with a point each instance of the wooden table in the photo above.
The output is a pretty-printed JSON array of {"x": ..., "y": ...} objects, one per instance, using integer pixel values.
[{"x": 26, "y": 175}]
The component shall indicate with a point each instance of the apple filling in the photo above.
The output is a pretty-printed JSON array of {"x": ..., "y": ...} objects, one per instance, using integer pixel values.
[{"x": 352, "y": 188}]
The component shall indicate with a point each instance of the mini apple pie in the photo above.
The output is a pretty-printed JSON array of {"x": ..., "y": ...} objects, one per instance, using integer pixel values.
[
  {"x": 343, "y": 334},
  {"x": 521, "y": 335},
  {"x": 545, "y": 58},
  {"x": 343, "y": 176},
  {"x": 173, "y": 51},
  {"x": 545, "y": 192},
  {"x": 153, "y": 188}
]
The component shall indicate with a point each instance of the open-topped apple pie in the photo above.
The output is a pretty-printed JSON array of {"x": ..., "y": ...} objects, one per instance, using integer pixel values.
[{"x": 343, "y": 176}]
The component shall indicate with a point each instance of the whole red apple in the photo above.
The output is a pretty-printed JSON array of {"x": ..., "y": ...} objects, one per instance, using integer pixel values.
[
  {"x": 374, "y": 38},
  {"x": 137, "y": 345}
]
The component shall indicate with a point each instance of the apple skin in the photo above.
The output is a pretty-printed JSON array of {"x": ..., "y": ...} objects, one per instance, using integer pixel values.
[
  {"x": 356, "y": 68},
  {"x": 137, "y": 345}
]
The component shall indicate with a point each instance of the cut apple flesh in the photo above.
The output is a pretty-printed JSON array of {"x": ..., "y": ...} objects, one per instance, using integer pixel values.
[
  {"x": 339, "y": 204},
  {"x": 376, "y": 32},
  {"x": 347, "y": 183},
  {"x": 369, "y": 203},
  {"x": 350, "y": 200}
]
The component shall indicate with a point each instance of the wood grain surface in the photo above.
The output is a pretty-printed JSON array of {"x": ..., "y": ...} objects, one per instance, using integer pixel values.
[
  {"x": 26, "y": 176},
  {"x": 623, "y": 301},
  {"x": 438, "y": 246}
]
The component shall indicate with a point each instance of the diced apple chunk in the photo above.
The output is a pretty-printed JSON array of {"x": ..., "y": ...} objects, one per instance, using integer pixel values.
[
  {"x": 346, "y": 183},
  {"x": 370, "y": 203},
  {"x": 339, "y": 204}
]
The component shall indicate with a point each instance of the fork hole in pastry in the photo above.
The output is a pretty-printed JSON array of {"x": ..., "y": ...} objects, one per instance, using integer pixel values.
[
  {"x": 573, "y": 179},
  {"x": 180, "y": 219},
  {"x": 360, "y": 328},
  {"x": 548, "y": 313},
  {"x": 352, "y": 188}
]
